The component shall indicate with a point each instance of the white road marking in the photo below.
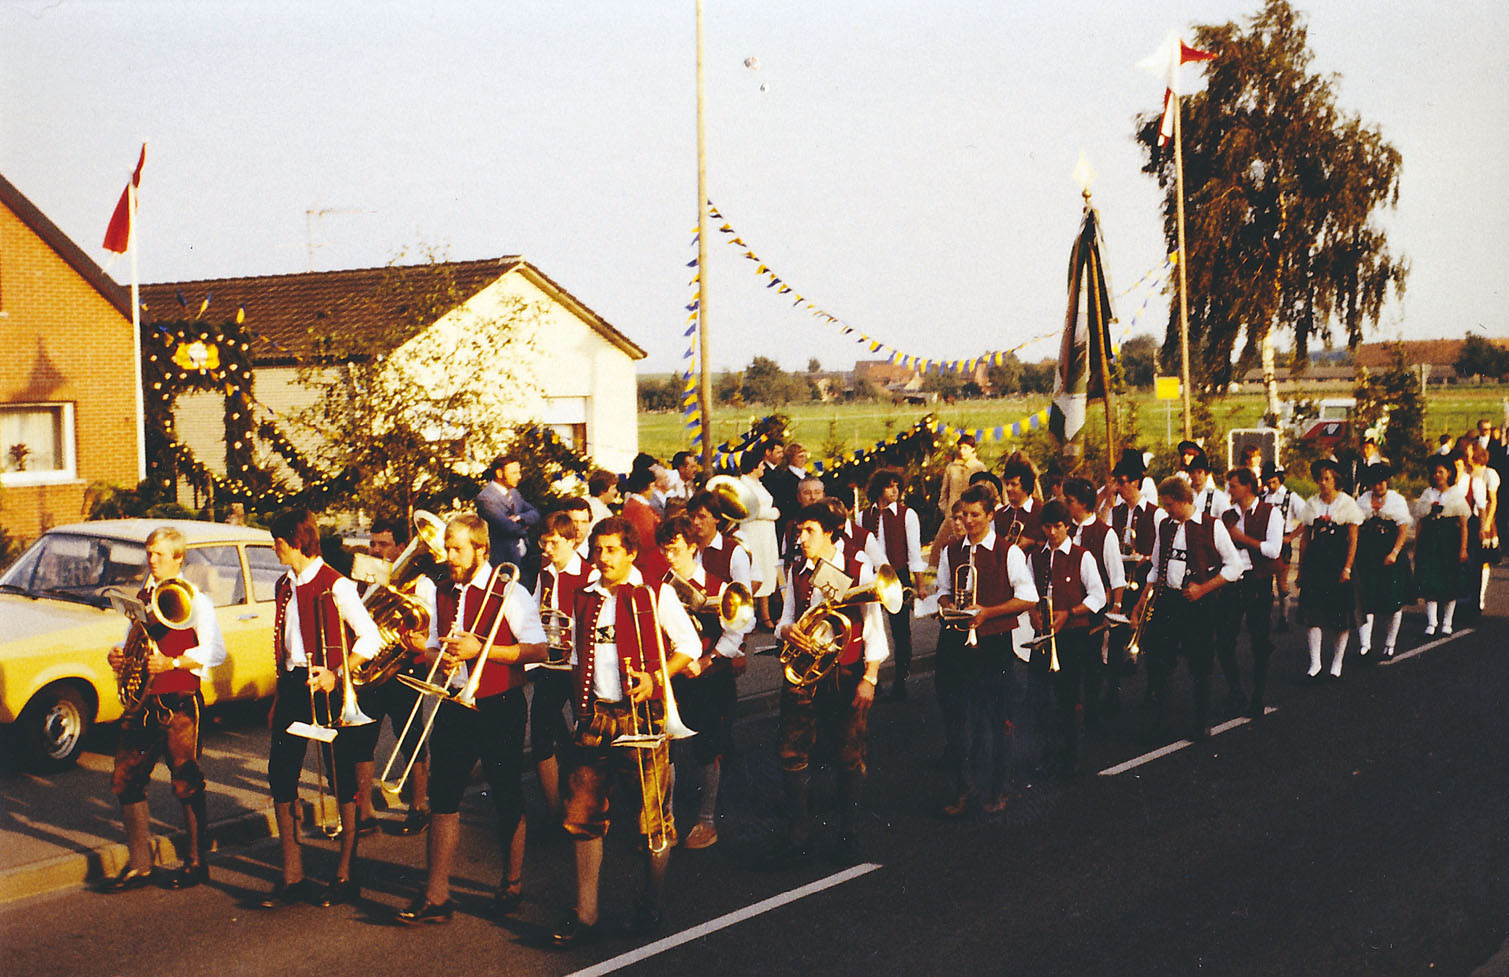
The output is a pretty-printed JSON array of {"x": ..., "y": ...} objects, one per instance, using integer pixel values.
[
  {"x": 1426, "y": 647},
  {"x": 1178, "y": 745},
  {"x": 723, "y": 922}
]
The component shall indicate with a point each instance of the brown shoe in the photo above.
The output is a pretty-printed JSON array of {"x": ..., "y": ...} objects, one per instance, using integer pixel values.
[
  {"x": 701, "y": 836},
  {"x": 995, "y": 805},
  {"x": 957, "y": 807}
]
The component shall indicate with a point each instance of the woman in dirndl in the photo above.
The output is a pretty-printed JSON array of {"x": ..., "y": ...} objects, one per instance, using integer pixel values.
[
  {"x": 1328, "y": 547},
  {"x": 1381, "y": 569},
  {"x": 1440, "y": 545}
]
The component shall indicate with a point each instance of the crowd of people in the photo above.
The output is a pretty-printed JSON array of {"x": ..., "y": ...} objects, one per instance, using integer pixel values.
[{"x": 628, "y": 614}]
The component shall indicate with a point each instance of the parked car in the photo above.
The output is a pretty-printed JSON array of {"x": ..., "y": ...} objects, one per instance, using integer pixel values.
[{"x": 57, "y": 626}]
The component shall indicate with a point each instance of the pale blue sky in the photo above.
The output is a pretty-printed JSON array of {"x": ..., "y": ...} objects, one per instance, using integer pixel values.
[{"x": 909, "y": 168}]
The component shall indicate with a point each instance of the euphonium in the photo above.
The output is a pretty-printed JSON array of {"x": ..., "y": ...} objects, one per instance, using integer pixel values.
[
  {"x": 171, "y": 606},
  {"x": 393, "y": 606},
  {"x": 828, "y": 630}
]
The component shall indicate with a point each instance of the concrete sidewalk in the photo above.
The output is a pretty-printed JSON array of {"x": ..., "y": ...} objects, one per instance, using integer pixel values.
[{"x": 63, "y": 830}]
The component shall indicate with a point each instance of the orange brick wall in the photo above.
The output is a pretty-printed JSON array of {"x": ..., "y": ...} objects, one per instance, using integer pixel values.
[{"x": 63, "y": 341}]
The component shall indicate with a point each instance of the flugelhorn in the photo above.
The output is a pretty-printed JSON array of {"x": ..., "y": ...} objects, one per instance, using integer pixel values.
[
  {"x": 1049, "y": 634},
  {"x": 828, "y": 630},
  {"x": 966, "y": 586}
]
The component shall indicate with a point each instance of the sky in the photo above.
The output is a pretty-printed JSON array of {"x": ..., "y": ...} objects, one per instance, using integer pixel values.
[{"x": 906, "y": 167}]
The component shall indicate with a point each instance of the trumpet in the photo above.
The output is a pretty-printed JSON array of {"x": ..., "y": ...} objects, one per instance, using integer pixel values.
[
  {"x": 1049, "y": 634},
  {"x": 828, "y": 630},
  {"x": 1140, "y": 619}
]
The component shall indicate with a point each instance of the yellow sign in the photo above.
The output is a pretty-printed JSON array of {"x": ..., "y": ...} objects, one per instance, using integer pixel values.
[{"x": 1166, "y": 388}]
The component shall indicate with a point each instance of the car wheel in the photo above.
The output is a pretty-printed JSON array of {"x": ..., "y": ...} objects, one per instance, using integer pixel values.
[{"x": 53, "y": 727}]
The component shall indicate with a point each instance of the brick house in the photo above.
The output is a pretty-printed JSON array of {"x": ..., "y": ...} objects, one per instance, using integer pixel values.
[
  {"x": 68, "y": 380},
  {"x": 580, "y": 370}
]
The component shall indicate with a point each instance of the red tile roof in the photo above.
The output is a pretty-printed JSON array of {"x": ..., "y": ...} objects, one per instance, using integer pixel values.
[{"x": 285, "y": 313}]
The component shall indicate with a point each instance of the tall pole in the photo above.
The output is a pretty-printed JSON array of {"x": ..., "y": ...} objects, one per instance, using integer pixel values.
[
  {"x": 1183, "y": 279},
  {"x": 704, "y": 383},
  {"x": 141, "y": 409},
  {"x": 1105, "y": 360}
]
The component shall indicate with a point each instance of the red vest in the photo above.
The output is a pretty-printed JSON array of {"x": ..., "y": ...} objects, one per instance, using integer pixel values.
[
  {"x": 651, "y": 563},
  {"x": 1202, "y": 562},
  {"x": 992, "y": 583},
  {"x": 1093, "y": 538},
  {"x": 171, "y": 642},
  {"x": 1254, "y": 524},
  {"x": 558, "y": 589},
  {"x": 1067, "y": 585},
  {"x": 497, "y": 677},
  {"x": 589, "y": 605},
  {"x": 1031, "y": 520},
  {"x": 718, "y": 562},
  {"x": 1144, "y": 523},
  {"x": 894, "y": 523},
  {"x": 709, "y": 625},
  {"x": 307, "y": 598},
  {"x": 802, "y": 585}
]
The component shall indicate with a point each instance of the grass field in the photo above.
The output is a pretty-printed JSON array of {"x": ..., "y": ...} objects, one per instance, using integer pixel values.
[{"x": 1451, "y": 409}]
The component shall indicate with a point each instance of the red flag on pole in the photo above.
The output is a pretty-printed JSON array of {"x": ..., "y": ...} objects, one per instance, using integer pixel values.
[
  {"x": 118, "y": 234},
  {"x": 1165, "y": 63}
]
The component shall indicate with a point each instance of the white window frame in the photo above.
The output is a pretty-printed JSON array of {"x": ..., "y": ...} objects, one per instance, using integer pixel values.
[{"x": 57, "y": 476}]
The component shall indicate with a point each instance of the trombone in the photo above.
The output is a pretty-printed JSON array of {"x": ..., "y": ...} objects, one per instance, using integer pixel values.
[
  {"x": 350, "y": 715},
  {"x": 645, "y": 732}
]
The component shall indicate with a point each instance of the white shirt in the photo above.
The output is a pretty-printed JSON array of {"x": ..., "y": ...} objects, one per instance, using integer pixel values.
[
  {"x": 740, "y": 566},
  {"x": 347, "y": 602},
  {"x": 873, "y": 551},
  {"x": 1273, "y": 536},
  {"x": 521, "y": 610},
  {"x": 210, "y": 651},
  {"x": 1289, "y": 503},
  {"x": 1231, "y": 561},
  {"x": 1089, "y": 578},
  {"x": 876, "y": 647},
  {"x": 1109, "y": 555},
  {"x": 1023, "y": 587},
  {"x": 914, "y": 561},
  {"x": 1211, "y": 501},
  {"x": 731, "y": 640},
  {"x": 1394, "y": 509},
  {"x": 607, "y": 683}
]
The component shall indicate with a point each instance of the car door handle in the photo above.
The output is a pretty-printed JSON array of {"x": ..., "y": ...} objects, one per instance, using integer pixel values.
[{"x": 248, "y": 617}]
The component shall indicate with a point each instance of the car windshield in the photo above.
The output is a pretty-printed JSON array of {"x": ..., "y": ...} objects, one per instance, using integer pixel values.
[{"x": 77, "y": 567}]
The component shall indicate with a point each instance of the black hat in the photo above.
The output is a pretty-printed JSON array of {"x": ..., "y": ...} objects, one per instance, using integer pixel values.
[
  {"x": 1272, "y": 470},
  {"x": 1325, "y": 464},
  {"x": 1375, "y": 473},
  {"x": 1199, "y": 461},
  {"x": 1131, "y": 464},
  {"x": 1189, "y": 446}
]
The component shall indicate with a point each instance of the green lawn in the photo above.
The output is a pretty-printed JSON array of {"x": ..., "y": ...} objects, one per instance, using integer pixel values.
[{"x": 1454, "y": 409}]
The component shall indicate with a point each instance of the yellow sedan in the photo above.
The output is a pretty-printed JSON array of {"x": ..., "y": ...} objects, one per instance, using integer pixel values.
[{"x": 57, "y": 626}]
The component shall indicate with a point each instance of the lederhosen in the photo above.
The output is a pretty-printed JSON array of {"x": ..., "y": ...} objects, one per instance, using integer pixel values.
[
  {"x": 830, "y": 700},
  {"x": 1182, "y": 627},
  {"x": 1250, "y": 598},
  {"x": 708, "y": 702},
  {"x": 494, "y": 731},
  {"x": 291, "y": 702},
  {"x": 896, "y": 551},
  {"x": 548, "y": 729},
  {"x": 1060, "y": 571},
  {"x": 165, "y": 726},
  {"x": 594, "y": 760},
  {"x": 977, "y": 685}
]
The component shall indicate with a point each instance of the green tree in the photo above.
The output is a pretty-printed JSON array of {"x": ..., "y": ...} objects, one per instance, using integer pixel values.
[
  {"x": 1281, "y": 190},
  {"x": 1037, "y": 378},
  {"x": 1394, "y": 394},
  {"x": 657, "y": 394},
  {"x": 1139, "y": 360},
  {"x": 1006, "y": 376},
  {"x": 813, "y": 366},
  {"x": 1481, "y": 358}
]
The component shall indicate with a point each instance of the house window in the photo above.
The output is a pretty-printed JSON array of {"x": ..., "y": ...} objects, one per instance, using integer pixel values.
[
  {"x": 574, "y": 435},
  {"x": 36, "y": 444}
]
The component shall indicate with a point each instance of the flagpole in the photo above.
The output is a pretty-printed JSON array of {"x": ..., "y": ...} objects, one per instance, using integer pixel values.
[
  {"x": 1183, "y": 279},
  {"x": 704, "y": 382},
  {"x": 141, "y": 407},
  {"x": 1105, "y": 362}
]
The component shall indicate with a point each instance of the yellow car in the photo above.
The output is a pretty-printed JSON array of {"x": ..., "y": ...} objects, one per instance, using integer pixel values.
[{"x": 57, "y": 626}]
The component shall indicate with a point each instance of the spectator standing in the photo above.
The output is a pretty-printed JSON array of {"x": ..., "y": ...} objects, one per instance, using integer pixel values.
[{"x": 510, "y": 519}]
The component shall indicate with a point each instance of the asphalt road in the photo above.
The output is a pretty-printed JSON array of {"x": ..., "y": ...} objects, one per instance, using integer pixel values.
[{"x": 1357, "y": 829}]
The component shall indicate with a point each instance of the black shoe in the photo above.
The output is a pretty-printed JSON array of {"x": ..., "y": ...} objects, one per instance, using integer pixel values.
[
  {"x": 1256, "y": 711},
  {"x": 648, "y": 921},
  {"x": 1236, "y": 702},
  {"x": 1281, "y": 626},
  {"x": 506, "y": 902},
  {"x": 422, "y": 912},
  {"x": 338, "y": 893},
  {"x": 189, "y": 876},
  {"x": 366, "y": 827},
  {"x": 846, "y": 852},
  {"x": 129, "y": 879},
  {"x": 416, "y": 822},
  {"x": 574, "y": 932},
  {"x": 290, "y": 894},
  {"x": 1201, "y": 733}
]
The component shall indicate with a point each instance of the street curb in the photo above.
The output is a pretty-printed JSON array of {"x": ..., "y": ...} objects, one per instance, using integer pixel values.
[{"x": 84, "y": 868}]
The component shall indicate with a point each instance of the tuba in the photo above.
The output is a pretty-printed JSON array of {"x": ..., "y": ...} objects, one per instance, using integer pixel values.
[
  {"x": 393, "y": 606},
  {"x": 737, "y": 500},
  {"x": 829, "y": 631},
  {"x": 171, "y": 607}
]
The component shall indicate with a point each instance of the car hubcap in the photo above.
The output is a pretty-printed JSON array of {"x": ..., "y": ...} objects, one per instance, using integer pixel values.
[{"x": 61, "y": 727}]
